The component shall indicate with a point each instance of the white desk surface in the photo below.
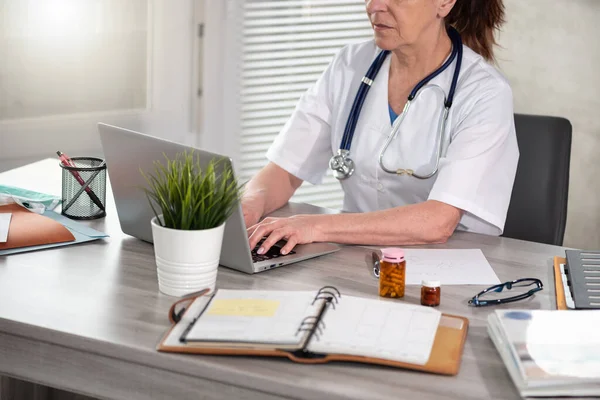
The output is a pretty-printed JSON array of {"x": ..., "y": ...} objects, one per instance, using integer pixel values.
[{"x": 44, "y": 176}]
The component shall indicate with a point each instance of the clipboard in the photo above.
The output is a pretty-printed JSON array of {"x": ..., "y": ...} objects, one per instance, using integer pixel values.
[
  {"x": 561, "y": 302},
  {"x": 445, "y": 356},
  {"x": 581, "y": 280}
]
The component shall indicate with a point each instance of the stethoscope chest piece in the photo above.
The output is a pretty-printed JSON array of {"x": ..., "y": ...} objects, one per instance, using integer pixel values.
[{"x": 342, "y": 165}]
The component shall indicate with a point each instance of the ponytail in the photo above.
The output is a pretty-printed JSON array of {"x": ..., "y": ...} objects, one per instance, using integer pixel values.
[{"x": 477, "y": 22}]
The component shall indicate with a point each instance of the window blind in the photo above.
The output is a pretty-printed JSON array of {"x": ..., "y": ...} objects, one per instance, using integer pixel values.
[{"x": 286, "y": 45}]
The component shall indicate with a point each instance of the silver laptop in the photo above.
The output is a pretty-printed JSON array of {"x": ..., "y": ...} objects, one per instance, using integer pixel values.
[{"x": 126, "y": 152}]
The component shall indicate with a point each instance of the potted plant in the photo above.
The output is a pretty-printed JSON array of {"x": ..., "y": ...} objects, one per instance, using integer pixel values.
[{"x": 191, "y": 205}]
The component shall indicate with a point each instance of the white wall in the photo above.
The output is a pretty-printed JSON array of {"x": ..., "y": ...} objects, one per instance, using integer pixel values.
[
  {"x": 54, "y": 90},
  {"x": 551, "y": 55}
]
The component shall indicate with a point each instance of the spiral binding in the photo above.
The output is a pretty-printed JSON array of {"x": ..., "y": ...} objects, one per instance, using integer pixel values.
[
  {"x": 315, "y": 324},
  {"x": 310, "y": 323},
  {"x": 329, "y": 294}
]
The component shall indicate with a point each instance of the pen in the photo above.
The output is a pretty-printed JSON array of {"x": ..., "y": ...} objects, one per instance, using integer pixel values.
[{"x": 66, "y": 161}]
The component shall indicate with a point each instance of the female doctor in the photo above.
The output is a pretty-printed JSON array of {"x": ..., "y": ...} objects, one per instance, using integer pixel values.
[{"x": 416, "y": 124}]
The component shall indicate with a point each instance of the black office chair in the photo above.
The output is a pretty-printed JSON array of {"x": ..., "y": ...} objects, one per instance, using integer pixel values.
[{"x": 538, "y": 206}]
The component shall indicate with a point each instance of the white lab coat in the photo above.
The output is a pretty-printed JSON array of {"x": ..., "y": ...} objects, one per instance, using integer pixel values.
[{"x": 476, "y": 171}]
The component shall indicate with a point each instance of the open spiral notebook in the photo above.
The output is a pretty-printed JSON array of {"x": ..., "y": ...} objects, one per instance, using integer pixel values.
[{"x": 318, "y": 327}]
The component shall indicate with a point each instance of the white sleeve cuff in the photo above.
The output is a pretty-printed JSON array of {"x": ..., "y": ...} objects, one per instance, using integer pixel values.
[
  {"x": 475, "y": 218},
  {"x": 293, "y": 164}
]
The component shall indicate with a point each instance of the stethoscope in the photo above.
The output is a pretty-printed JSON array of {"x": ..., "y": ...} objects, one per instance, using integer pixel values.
[{"x": 341, "y": 163}]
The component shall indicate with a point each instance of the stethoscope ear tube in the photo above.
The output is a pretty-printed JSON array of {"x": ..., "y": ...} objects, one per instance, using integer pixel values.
[
  {"x": 456, "y": 44},
  {"x": 359, "y": 100},
  {"x": 341, "y": 164},
  {"x": 395, "y": 129}
]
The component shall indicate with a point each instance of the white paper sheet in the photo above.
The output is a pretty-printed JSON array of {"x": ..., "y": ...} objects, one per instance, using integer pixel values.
[
  {"x": 375, "y": 328},
  {"x": 4, "y": 225},
  {"x": 449, "y": 266}
]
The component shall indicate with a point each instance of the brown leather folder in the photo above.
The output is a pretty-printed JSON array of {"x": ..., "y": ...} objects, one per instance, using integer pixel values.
[
  {"x": 445, "y": 356},
  {"x": 30, "y": 229}
]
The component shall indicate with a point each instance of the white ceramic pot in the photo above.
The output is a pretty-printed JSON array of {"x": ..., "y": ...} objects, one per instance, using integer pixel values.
[
  {"x": 180, "y": 278},
  {"x": 188, "y": 259}
]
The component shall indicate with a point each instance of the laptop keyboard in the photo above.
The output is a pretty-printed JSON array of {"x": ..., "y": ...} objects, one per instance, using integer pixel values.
[{"x": 274, "y": 252}]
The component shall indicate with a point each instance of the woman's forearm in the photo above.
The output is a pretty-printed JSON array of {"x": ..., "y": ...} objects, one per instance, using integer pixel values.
[
  {"x": 427, "y": 222},
  {"x": 272, "y": 187}
]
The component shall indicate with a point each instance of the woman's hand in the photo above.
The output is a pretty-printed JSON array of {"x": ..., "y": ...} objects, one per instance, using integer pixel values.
[
  {"x": 252, "y": 208},
  {"x": 269, "y": 190},
  {"x": 299, "y": 229}
]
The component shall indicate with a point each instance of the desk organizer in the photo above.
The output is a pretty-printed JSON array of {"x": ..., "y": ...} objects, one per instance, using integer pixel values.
[{"x": 84, "y": 188}]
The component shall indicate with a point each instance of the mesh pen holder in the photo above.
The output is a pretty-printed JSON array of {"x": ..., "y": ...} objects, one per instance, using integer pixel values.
[{"x": 84, "y": 188}]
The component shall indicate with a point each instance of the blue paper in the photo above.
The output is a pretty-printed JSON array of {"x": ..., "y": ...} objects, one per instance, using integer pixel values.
[
  {"x": 74, "y": 226},
  {"x": 81, "y": 232}
]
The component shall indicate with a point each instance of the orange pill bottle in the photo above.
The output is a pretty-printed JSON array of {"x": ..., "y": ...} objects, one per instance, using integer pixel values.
[{"x": 392, "y": 273}]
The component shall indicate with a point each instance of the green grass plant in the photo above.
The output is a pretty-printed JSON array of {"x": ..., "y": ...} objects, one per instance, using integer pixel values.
[{"x": 190, "y": 197}]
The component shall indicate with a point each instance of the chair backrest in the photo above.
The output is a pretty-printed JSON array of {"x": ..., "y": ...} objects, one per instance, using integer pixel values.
[{"x": 538, "y": 206}]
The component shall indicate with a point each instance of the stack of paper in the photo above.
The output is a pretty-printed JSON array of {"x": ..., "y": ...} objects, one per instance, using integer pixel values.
[{"x": 549, "y": 353}]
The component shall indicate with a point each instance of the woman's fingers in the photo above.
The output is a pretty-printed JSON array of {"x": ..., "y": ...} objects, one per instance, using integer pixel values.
[
  {"x": 289, "y": 246},
  {"x": 254, "y": 237},
  {"x": 252, "y": 229},
  {"x": 273, "y": 237},
  {"x": 295, "y": 230},
  {"x": 258, "y": 231}
]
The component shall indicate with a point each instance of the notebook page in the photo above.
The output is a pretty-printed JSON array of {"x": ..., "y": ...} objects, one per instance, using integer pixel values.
[
  {"x": 254, "y": 317},
  {"x": 377, "y": 328},
  {"x": 4, "y": 225}
]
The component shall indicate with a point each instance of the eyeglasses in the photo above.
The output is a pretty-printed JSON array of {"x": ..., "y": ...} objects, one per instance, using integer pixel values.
[{"x": 521, "y": 284}]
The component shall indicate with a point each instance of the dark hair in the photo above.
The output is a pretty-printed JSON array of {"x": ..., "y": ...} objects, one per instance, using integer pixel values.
[{"x": 477, "y": 22}]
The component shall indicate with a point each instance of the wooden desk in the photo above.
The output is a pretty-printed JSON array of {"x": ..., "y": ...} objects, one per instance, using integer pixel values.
[{"x": 86, "y": 318}]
